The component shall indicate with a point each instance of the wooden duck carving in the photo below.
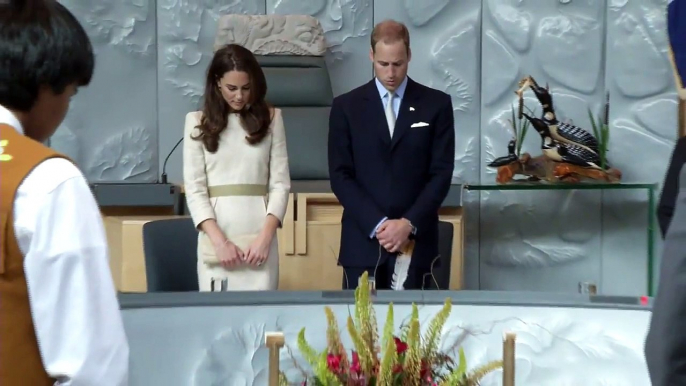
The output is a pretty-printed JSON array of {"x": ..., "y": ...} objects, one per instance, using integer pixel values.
[
  {"x": 559, "y": 131},
  {"x": 563, "y": 151},
  {"x": 509, "y": 158}
]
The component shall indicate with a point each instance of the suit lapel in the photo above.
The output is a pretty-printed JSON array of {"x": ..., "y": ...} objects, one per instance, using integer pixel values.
[
  {"x": 374, "y": 111},
  {"x": 402, "y": 124}
]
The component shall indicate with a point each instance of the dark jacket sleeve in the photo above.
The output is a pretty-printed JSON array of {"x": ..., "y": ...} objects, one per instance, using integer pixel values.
[{"x": 670, "y": 188}]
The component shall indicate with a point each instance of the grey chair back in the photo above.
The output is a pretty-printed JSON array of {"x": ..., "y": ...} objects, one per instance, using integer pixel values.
[
  {"x": 300, "y": 86},
  {"x": 170, "y": 248}
]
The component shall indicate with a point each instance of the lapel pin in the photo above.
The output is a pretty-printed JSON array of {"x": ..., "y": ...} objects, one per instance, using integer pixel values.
[{"x": 411, "y": 108}]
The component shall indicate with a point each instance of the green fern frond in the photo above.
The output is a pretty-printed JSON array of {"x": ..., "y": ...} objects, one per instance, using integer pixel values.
[
  {"x": 374, "y": 331},
  {"x": 388, "y": 327},
  {"x": 309, "y": 353},
  {"x": 283, "y": 380},
  {"x": 404, "y": 331},
  {"x": 365, "y": 316},
  {"x": 462, "y": 366},
  {"x": 366, "y": 360},
  {"x": 333, "y": 335},
  {"x": 413, "y": 362},
  {"x": 389, "y": 360},
  {"x": 317, "y": 361},
  {"x": 433, "y": 332},
  {"x": 459, "y": 375},
  {"x": 476, "y": 375}
]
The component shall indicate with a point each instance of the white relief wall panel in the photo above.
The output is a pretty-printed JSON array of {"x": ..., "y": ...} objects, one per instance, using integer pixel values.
[
  {"x": 186, "y": 32},
  {"x": 222, "y": 345},
  {"x": 643, "y": 119},
  {"x": 539, "y": 240},
  {"x": 111, "y": 128}
]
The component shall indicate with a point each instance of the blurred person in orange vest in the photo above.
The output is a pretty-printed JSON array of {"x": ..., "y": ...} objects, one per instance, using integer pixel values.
[{"x": 60, "y": 322}]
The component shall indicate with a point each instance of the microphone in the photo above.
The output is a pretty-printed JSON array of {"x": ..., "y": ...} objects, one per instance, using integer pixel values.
[{"x": 164, "y": 166}]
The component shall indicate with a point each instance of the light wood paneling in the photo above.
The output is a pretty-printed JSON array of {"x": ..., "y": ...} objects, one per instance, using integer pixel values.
[{"x": 127, "y": 259}]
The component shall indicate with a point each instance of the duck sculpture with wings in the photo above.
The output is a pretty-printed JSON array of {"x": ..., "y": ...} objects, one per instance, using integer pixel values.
[
  {"x": 559, "y": 131},
  {"x": 563, "y": 151}
]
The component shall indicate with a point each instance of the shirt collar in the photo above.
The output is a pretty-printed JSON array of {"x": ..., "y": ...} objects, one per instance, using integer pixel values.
[
  {"x": 8, "y": 118},
  {"x": 399, "y": 92}
]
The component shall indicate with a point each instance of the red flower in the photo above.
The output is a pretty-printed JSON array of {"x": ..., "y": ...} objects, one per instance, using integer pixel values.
[
  {"x": 355, "y": 366},
  {"x": 400, "y": 346},
  {"x": 425, "y": 371},
  {"x": 334, "y": 363}
]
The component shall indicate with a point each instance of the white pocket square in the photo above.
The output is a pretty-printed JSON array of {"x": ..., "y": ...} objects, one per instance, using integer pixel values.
[{"x": 419, "y": 124}]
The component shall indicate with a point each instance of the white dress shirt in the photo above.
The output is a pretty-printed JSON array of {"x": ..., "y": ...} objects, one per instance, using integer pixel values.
[
  {"x": 384, "y": 94},
  {"x": 74, "y": 305},
  {"x": 399, "y": 94}
]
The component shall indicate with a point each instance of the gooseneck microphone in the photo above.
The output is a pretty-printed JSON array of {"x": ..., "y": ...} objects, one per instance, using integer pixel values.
[{"x": 164, "y": 166}]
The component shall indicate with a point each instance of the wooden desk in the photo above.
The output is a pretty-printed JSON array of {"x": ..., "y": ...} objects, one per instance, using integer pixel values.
[
  {"x": 127, "y": 259},
  {"x": 309, "y": 241}
]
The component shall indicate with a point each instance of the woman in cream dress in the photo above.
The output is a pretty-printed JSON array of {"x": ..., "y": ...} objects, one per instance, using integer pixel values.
[{"x": 236, "y": 176}]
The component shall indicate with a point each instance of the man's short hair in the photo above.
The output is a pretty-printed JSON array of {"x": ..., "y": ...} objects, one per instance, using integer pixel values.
[
  {"x": 390, "y": 31},
  {"x": 41, "y": 45}
]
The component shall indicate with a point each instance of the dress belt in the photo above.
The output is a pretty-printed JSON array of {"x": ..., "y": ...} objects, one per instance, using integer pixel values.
[{"x": 237, "y": 190}]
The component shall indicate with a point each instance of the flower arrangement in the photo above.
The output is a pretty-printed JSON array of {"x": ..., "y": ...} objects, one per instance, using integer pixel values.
[{"x": 406, "y": 360}]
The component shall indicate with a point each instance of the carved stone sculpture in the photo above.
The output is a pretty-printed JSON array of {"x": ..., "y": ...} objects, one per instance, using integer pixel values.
[{"x": 272, "y": 34}]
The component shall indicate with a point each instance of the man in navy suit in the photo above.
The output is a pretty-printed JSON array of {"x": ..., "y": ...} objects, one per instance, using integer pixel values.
[{"x": 391, "y": 157}]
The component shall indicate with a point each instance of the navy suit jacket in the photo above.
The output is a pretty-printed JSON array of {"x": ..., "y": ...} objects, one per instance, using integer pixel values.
[{"x": 376, "y": 176}]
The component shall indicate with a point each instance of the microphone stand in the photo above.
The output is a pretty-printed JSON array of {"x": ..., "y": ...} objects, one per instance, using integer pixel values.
[{"x": 164, "y": 166}]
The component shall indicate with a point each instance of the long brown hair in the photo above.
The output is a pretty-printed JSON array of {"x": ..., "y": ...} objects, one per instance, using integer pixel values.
[{"x": 255, "y": 115}]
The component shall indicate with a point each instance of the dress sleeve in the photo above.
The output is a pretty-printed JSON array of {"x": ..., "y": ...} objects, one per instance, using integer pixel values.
[
  {"x": 194, "y": 175},
  {"x": 279, "y": 173}
]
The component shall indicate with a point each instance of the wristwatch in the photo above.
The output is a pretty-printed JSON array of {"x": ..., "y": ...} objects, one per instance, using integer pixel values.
[{"x": 413, "y": 229}]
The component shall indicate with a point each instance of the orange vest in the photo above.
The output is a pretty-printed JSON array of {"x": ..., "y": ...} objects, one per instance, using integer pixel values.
[{"x": 20, "y": 360}]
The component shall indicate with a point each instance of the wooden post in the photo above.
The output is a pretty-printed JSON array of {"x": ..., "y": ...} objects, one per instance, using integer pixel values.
[
  {"x": 509, "y": 359},
  {"x": 274, "y": 341}
]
